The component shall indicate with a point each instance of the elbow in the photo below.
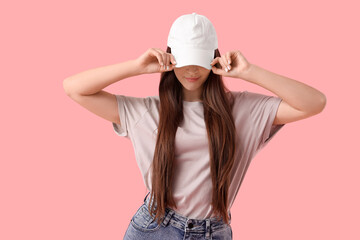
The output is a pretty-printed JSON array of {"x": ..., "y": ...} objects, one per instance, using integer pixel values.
[
  {"x": 319, "y": 105},
  {"x": 322, "y": 102},
  {"x": 66, "y": 86}
]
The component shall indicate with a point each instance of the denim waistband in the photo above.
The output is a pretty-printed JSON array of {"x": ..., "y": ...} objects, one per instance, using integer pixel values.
[{"x": 188, "y": 224}]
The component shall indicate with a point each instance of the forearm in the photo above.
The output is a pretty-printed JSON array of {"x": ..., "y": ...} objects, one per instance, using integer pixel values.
[
  {"x": 297, "y": 94},
  {"x": 92, "y": 81}
]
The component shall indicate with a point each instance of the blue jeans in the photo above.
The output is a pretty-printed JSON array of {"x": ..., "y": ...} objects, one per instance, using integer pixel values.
[{"x": 175, "y": 226}]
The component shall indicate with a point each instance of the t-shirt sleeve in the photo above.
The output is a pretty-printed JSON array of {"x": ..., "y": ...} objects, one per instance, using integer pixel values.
[
  {"x": 263, "y": 109},
  {"x": 131, "y": 110}
]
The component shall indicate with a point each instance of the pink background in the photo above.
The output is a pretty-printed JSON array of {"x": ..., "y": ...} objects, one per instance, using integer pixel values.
[{"x": 65, "y": 174}]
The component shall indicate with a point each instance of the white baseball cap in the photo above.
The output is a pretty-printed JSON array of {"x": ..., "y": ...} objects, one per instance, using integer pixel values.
[{"x": 192, "y": 40}]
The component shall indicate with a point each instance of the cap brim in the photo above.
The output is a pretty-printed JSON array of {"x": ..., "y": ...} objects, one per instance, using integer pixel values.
[{"x": 190, "y": 56}]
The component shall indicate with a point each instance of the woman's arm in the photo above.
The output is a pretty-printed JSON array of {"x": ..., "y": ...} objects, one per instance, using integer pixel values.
[
  {"x": 153, "y": 60},
  {"x": 94, "y": 80},
  {"x": 297, "y": 94},
  {"x": 299, "y": 100},
  {"x": 85, "y": 88}
]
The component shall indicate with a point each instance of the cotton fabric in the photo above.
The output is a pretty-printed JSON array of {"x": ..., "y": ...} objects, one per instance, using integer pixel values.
[{"x": 253, "y": 115}]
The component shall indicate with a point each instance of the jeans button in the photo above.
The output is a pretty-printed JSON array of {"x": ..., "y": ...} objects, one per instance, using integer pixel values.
[{"x": 190, "y": 225}]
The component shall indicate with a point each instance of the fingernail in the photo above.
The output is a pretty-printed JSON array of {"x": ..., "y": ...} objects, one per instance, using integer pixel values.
[
  {"x": 228, "y": 67},
  {"x": 228, "y": 61}
]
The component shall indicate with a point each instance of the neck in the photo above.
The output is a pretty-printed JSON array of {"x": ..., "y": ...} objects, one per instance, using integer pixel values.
[{"x": 192, "y": 96}]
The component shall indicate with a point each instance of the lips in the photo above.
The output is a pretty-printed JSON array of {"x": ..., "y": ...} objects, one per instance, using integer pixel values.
[{"x": 192, "y": 79}]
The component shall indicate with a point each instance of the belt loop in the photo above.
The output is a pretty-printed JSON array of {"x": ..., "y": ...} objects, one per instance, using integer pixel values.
[
  {"x": 146, "y": 196},
  {"x": 207, "y": 235},
  {"x": 168, "y": 217}
]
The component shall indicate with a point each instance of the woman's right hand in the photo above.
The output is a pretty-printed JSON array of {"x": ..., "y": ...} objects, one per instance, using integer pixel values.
[{"x": 156, "y": 60}]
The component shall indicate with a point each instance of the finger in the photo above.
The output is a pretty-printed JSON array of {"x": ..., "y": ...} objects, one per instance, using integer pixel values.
[
  {"x": 228, "y": 57},
  {"x": 163, "y": 59},
  {"x": 172, "y": 59},
  {"x": 216, "y": 66},
  {"x": 222, "y": 63},
  {"x": 226, "y": 61},
  {"x": 217, "y": 71},
  {"x": 168, "y": 62},
  {"x": 157, "y": 54},
  {"x": 167, "y": 59},
  {"x": 172, "y": 62},
  {"x": 214, "y": 61},
  {"x": 164, "y": 56}
]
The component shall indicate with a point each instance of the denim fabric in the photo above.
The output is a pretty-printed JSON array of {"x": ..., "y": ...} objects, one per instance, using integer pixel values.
[{"x": 175, "y": 226}]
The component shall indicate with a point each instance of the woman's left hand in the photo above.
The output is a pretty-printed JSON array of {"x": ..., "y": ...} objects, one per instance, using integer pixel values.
[{"x": 237, "y": 63}]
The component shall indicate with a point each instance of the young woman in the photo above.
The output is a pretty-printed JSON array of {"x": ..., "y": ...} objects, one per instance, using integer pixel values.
[{"x": 194, "y": 142}]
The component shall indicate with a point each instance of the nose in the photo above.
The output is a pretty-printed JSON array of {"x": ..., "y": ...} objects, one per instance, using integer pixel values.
[{"x": 192, "y": 68}]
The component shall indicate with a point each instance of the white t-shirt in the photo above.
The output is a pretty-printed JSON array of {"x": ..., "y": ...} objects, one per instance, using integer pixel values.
[{"x": 253, "y": 115}]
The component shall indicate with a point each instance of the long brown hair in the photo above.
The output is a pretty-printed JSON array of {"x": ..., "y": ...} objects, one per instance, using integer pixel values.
[{"x": 221, "y": 137}]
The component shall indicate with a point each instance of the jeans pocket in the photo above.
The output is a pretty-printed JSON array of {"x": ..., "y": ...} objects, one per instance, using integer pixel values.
[
  {"x": 223, "y": 233},
  {"x": 143, "y": 221}
]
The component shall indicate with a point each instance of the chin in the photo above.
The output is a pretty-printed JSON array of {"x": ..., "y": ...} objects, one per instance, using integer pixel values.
[{"x": 192, "y": 87}]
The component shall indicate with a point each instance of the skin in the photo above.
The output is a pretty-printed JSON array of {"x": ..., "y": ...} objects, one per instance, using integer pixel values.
[
  {"x": 192, "y": 90},
  {"x": 299, "y": 100}
]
